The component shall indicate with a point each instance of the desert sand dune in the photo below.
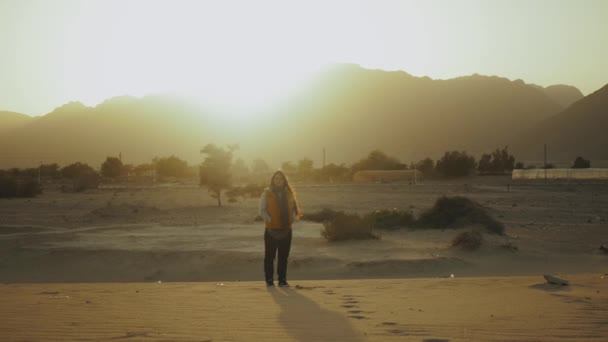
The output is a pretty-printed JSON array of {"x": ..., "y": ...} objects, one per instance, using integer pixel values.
[{"x": 435, "y": 309}]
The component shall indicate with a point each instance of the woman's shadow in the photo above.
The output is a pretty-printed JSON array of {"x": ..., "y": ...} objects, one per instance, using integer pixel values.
[{"x": 304, "y": 320}]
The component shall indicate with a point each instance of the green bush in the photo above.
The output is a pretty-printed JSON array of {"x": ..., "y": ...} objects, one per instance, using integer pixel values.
[
  {"x": 347, "y": 227},
  {"x": 456, "y": 212},
  {"x": 390, "y": 219}
]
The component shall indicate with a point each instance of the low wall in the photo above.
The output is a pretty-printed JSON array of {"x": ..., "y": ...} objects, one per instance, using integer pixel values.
[{"x": 595, "y": 173}]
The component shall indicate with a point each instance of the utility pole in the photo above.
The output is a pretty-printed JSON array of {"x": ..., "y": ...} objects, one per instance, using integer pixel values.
[
  {"x": 545, "y": 162},
  {"x": 323, "y": 156}
]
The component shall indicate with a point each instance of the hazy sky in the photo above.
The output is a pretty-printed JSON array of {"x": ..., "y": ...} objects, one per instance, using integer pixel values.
[{"x": 246, "y": 52}]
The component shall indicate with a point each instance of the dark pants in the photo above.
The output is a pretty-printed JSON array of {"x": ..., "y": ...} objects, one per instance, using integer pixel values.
[{"x": 273, "y": 245}]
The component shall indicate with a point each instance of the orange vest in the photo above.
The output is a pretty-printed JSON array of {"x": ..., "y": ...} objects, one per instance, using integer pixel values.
[{"x": 272, "y": 207}]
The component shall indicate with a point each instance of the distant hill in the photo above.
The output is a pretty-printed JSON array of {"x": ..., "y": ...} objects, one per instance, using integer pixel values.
[
  {"x": 564, "y": 95},
  {"x": 140, "y": 129},
  {"x": 581, "y": 129},
  {"x": 12, "y": 120},
  {"x": 347, "y": 109},
  {"x": 351, "y": 110}
]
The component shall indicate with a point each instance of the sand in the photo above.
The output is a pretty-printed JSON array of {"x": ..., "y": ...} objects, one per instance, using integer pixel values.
[
  {"x": 435, "y": 309},
  {"x": 87, "y": 266}
]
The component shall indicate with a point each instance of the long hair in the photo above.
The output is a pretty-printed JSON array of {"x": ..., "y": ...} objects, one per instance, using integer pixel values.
[{"x": 289, "y": 188}]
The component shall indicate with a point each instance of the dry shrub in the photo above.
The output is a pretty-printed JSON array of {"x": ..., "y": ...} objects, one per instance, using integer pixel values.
[
  {"x": 456, "y": 212},
  {"x": 390, "y": 219},
  {"x": 347, "y": 227},
  {"x": 17, "y": 187},
  {"x": 469, "y": 241},
  {"x": 244, "y": 192},
  {"x": 85, "y": 182},
  {"x": 322, "y": 215}
]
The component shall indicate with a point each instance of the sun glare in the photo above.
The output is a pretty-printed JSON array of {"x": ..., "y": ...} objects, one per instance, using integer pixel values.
[
  {"x": 241, "y": 64},
  {"x": 241, "y": 56}
]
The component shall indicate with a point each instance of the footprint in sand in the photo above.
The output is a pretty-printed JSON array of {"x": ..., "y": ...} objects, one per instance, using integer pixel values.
[
  {"x": 361, "y": 312},
  {"x": 130, "y": 335},
  {"x": 401, "y": 330},
  {"x": 350, "y": 296}
]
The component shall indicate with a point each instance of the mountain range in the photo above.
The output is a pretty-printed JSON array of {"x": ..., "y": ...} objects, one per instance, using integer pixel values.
[{"x": 346, "y": 109}]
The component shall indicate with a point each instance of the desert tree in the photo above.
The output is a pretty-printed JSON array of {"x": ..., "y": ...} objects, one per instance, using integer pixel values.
[
  {"x": 214, "y": 171},
  {"x": 171, "y": 166},
  {"x": 498, "y": 162},
  {"x": 378, "y": 160},
  {"x": 112, "y": 167},
  {"x": 502, "y": 161},
  {"x": 239, "y": 170},
  {"x": 305, "y": 168},
  {"x": 485, "y": 163},
  {"x": 581, "y": 163},
  {"x": 260, "y": 166},
  {"x": 455, "y": 164},
  {"x": 50, "y": 170},
  {"x": 333, "y": 172},
  {"x": 82, "y": 175},
  {"x": 425, "y": 166}
]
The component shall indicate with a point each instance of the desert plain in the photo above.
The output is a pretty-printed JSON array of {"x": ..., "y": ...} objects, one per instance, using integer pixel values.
[{"x": 165, "y": 263}]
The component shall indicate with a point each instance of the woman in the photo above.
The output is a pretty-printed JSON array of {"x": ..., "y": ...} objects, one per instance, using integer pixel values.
[{"x": 279, "y": 209}]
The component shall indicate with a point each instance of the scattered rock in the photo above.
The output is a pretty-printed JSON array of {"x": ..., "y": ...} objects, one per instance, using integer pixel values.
[{"x": 555, "y": 281}]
